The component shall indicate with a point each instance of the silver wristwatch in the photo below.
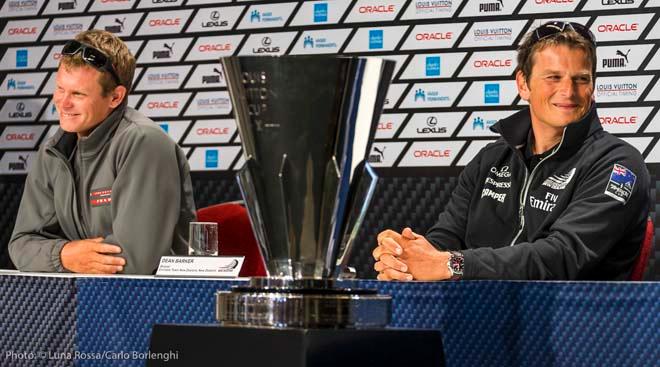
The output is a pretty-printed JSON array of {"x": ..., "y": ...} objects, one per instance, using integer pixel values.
[{"x": 456, "y": 263}]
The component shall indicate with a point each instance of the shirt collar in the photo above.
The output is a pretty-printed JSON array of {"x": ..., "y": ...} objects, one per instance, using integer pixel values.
[
  {"x": 89, "y": 145},
  {"x": 516, "y": 130}
]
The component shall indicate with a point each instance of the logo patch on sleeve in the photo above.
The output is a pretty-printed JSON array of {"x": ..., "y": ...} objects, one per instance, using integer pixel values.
[
  {"x": 100, "y": 197},
  {"x": 621, "y": 183}
]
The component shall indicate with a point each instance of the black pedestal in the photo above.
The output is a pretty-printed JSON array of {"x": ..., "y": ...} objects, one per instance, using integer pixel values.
[{"x": 212, "y": 345}]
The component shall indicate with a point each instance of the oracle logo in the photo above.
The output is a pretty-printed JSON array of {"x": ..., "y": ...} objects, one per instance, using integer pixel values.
[
  {"x": 385, "y": 126},
  {"x": 213, "y": 131},
  {"x": 163, "y": 105},
  {"x": 492, "y": 63},
  {"x": 24, "y": 30},
  {"x": 433, "y": 36},
  {"x": 553, "y": 1},
  {"x": 164, "y": 22},
  {"x": 20, "y": 136},
  {"x": 214, "y": 47},
  {"x": 623, "y": 27},
  {"x": 376, "y": 9},
  {"x": 432, "y": 153},
  {"x": 618, "y": 120}
]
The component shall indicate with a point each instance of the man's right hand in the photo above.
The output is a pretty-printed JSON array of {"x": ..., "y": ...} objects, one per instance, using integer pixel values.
[{"x": 91, "y": 256}]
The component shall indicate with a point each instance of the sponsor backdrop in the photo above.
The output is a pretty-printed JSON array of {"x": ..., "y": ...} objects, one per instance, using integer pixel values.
[
  {"x": 454, "y": 76},
  {"x": 454, "y": 79}
]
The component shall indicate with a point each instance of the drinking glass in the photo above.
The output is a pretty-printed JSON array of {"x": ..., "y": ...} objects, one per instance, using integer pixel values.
[{"x": 203, "y": 239}]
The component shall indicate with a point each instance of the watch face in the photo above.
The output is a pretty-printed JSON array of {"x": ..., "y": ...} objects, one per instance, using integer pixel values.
[{"x": 456, "y": 263}]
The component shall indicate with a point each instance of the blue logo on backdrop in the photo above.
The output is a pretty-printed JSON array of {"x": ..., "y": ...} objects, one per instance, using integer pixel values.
[
  {"x": 375, "y": 39},
  {"x": 258, "y": 17},
  {"x": 491, "y": 93},
  {"x": 478, "y": 123},
  {"x": 433, "y": 66},
  {"x": 320, "y": 12},
  {"x": 21, "y": 58},
  {"x": 255, "y": 16},
  {"x": 420, "y": 94},
  {"x": 165, "y": 127},
  {"x": 308, "y": 42},
  {"x": 212, "y": 158}
]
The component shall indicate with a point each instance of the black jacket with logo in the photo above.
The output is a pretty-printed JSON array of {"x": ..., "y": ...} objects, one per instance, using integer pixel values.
[{"x": 580, "y": 213}]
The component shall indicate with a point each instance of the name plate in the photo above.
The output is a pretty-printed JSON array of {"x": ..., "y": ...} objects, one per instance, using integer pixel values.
[{"x": 200, "y": 266}]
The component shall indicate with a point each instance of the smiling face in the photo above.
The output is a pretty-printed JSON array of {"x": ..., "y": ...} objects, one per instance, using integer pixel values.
[
  {"x": 79, "y": 100},
  {"x": 559, "y": 89}
]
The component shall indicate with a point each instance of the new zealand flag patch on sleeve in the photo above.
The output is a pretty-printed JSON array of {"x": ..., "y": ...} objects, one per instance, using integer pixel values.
[{"x": 621, "y": 183}]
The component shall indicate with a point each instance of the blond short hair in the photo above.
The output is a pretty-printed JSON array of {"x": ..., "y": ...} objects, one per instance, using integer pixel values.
[{"x": 122, "y": 60}]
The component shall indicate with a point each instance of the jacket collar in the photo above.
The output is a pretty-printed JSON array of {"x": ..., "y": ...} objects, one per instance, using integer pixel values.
[
  {"x": 515, "y": 129},
  {"x": 89, "y": 145}
]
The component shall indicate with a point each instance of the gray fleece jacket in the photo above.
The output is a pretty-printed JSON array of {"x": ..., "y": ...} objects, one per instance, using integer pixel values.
[{"x": 127, "y": 182}]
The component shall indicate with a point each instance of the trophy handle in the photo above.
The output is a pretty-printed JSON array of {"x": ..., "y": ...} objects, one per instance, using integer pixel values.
[
  {"x": 248, "y": 189},
  {"x": 285, "y": 267},
  {"x": 363, "y": 193},
  {"x": 331, "y": 186},
  {"x": 238, "y": 94}
]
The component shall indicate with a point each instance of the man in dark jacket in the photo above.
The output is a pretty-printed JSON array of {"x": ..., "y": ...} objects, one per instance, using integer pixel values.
[
  {"x": 110, "y": 192},
  {"x": 556, "y": 197}
]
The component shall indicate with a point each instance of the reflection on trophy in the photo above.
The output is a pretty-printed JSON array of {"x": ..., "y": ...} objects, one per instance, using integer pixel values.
[{"x": 305, "y": 124}]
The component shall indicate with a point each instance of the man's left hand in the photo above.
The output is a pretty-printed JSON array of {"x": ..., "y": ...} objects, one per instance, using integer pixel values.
[{"x": 388, "y": 266}]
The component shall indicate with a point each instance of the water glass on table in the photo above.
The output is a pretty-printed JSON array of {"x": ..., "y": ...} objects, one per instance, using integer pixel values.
[{"x": 203, "y": 239}]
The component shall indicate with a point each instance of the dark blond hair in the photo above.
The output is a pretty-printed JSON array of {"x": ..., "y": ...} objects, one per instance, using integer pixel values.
[
  {"x": 570, "y": 38},
  {"x": 122, "y": 60}
]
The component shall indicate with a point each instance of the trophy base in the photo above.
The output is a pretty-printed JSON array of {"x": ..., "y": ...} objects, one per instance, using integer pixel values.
[{"x": 301, "y": 303}]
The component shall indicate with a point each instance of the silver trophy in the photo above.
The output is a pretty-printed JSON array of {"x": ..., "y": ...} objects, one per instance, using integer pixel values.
[{"x": 305, "y": 124}]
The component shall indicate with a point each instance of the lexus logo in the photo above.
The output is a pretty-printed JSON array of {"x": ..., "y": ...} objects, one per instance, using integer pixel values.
[
  {"x": 431, "y": 121},
  {"x": 20, "y": 106},
  {"x": 266, "y": 41},
  {"x": 215, "y": 15}
]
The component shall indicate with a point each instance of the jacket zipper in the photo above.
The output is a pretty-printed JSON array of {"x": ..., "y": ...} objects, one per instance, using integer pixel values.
[
  {"x": 527, "y": 182},
  {"x": 75, "y": 192}
]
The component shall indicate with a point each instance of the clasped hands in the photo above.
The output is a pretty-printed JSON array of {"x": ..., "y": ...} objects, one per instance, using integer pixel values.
[{"x": 409, "y": 256}]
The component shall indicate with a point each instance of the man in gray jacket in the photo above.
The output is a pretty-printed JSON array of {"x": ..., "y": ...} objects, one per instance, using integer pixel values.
[{"x": 110, "y": 192}]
